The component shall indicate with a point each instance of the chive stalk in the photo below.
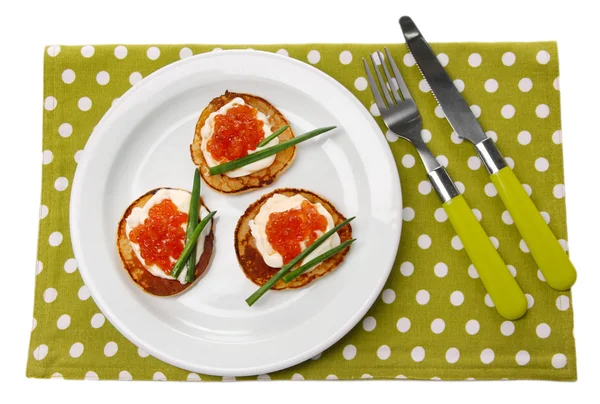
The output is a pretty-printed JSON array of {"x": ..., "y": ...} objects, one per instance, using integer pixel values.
[
  {"x": 187, "y": 250},
  {"x": 315, "y": 261},
  {"x": 272, "y": 136},
  {"x": 191, "y": 226}
]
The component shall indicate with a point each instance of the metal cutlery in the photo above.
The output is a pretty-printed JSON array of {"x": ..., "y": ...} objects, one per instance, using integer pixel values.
[
  {"x": 552, "y": 260},
  {"x": 402, "y": 117}
]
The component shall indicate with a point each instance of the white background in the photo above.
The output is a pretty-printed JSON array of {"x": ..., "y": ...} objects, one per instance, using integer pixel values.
[{"x": 25, "y": 27}]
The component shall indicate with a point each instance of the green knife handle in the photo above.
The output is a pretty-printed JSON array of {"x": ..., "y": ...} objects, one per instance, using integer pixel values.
[
  {"x": 552, "y": 260},
  {"x": 506, "y": 294}
]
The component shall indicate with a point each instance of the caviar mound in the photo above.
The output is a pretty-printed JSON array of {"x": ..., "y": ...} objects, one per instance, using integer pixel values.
[
  {"x": 259, "y": 179},
  {"x": 136, "y": 270},
  {"x": 252, "y": 262}
]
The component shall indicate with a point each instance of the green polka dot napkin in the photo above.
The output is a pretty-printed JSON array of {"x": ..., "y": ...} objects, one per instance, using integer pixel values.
[{"x": 433, "y": 319}]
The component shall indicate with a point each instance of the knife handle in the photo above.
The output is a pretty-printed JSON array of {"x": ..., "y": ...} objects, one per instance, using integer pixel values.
[
  {"x": 506, "y": 294},
  {"x": 552, "y": 260}
]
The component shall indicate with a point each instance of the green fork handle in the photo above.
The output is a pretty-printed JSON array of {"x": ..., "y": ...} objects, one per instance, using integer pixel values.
[
  {"x": 552, "y": 260},
  {"x": 506, "y": 294}
]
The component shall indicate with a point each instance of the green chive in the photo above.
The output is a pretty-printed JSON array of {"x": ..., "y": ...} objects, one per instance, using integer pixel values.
[
  {"x": 315, "y": 261},
  {"x": 187, "y": 250},
  {"x": 286, "y": 268},
  {"x": 273, "y": 136},
  {"x": 269, "y": 151},
  {"x": 191, "y": 226}
]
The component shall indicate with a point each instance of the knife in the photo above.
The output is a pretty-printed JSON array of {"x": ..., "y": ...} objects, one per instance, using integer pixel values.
[{"x": 552, "y": 260}]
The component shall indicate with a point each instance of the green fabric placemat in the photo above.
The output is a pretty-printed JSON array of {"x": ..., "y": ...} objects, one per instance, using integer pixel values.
[{"x": 433, "y": 319}]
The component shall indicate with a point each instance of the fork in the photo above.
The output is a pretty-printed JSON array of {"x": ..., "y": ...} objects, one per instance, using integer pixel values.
[{"x": 402, "y": 117}]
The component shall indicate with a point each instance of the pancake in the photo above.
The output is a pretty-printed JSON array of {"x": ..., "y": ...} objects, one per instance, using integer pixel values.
[
  {"x": 251, "y": 260},
  {"x": 140, "y": 275},
  {"x": 258, "y": 179}
]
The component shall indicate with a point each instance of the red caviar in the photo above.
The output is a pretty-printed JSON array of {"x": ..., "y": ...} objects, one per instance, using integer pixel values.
[
  {"x": 161, "y": 236},
  {"x": 235, "y": 132},
  {"x": 286, "y": 230}
]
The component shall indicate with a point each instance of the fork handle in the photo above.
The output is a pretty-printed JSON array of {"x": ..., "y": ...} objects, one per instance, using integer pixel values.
[{"x": 508, "y": 298}]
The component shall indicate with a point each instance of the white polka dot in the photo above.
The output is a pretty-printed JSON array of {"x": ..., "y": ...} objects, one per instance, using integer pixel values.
[
  {"x": 444, "y": 59},
  {"x": 102, "y": 78},
  {"x": 97, "y": 320},
  {"x": 281, "y": 52},
  {"x": 70, "y": 265},
  {"x": 378, "y": 57},
  {"x": 559, "y": 361},
  {"x": 440, "y": 269},
  {"x": 541, "y": 164},
  {"x": 160, "y": 376},
  {"x": 424, "y": 241},
  {"x": 424, "y": 187},
  {"x": 63, "y": 322},
  {"x": 508, "y": 111},
  {"x": 349, "y": 352},
  {"x": 65, "y": 130},
  {"x": 77, "y": 155},
  {"x": 512, "y": 270},
  {"x": 87, "y": 51},
  {"x": 369, "y": 323},
  {"x": 452, "y": 355},
  {"x": 110, "y": 349},
  {"x": 331, "y": 377},
  {"x": 417, "y": 354},
  {"x": 530, "y": 300},
  {"x": 510, "y": 162},
  {"x": 556, "y": 84},
  {"x": 53, "y": 50},
  {"x": 142, "y": 353},
  {"x": 540, "y": 276},
  {"x": 507, "y": 328},
  {"x": 50, "y": 103},
  {"x": 388, "y": 296},
  {"x": 473, "y": 272},
  {"x": 542, "y": 111},
  {"x": 120, "y": 52},
  {"x": 374, "y": 110},
  {"x": 314, "y": 56},
  {"x": 543, "y": 330},
  {"x": 261, "y": 377},
  {"x": 495, "y": 242},
  {"x": 525, "y": 84},
  {"x": 408, "y": 214},
  {"x": 47, "y": 157},
  {"x": 126, "y": 376},
  {"x": 524, "y": 137},
  {"x": 477, "y": 214},
  {"x": 76, "y": 350},
  {"x": 491, "y": 86},
  {"x": 460, "y": 85},
  {"x": 439, "y": 112},
  {"x": 91, "y": 376},
  {"x": 492, "y": 135},
  {"x": 38, "y": 267},
  {"x": 153, "y": 53},
  {"x": 68, "y": 76},
  {"x": 508, "y": 59},
  {"x": 360, "y": 83},
  {"x": 33, "y": 324},
  {"x": 456, "y": 243},
  {"x": 57, "y": 376},
  {"x": 437, "y": 326},
  {"x": 440, "y": 215},
  {"x": 408, "y": 161},
  {"x": 424, "y": 86},
  {"x": 409, "y": 60},
  {"x": 383, "y": 352},
  {"x": 476, "y": 109},
  {"x": 557, "y": 137},
  {"x": 563, "y": 303},
  {"x": 422, "y": 297},
  {"x": 61, "y": 184},
  {"x": 488, "y": 300},
  {"x": 403, "y": 325},
  {"x": 455, "y": 139},
  {"x": 487, "y": 356},
  {"x": 474, "y": 59},
  {"x": 543, "y": 57},
  {"x": 472, "y": 327},
  {"x": 490, "y": 190},
  {"x": 187, "y": 52},
  {"x": 407, "y": 268},
  {"x": 84, "y": 103},
  {"x": 345, "y": 57},
  {"x": 426, "y": 135},
  {"x": 366, "y": 376},
  {"x": 559, "y": 191},
  {"x": 83, "y": 293},
  {"x": 522, "y": 358},
  {"x": 135, "y": 78},
  {"x": 391, "y": 136},
  {"x": 457, "y": 298},
  {"x": 443, "y": 160},
  {"x": 55, "y": 239},
  {"x": 400, "y": 377},
  {"x": 474, "y": 163},
  {"x": 217, "y": 50},
  {"x": 297, "y": 376},
  {"x": 527, "y": 189},
  {"x": 40, "y": 352},
  {"x": 523, "y": 246}
]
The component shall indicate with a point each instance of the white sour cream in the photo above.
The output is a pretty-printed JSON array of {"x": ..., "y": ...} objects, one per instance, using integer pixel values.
[
  {"x": 208, "y": 130},
  {"x": 138, "y": 215},
  {"x": 282, "y": 203}
]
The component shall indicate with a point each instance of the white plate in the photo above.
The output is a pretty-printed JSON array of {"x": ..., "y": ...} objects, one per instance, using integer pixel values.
[{"x": 143, "y": 143}]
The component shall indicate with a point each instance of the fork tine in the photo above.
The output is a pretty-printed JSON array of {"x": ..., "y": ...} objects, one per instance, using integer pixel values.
[
  {"x": 382, "y": 82},
  {"x": 376, "y": 94},
  {"x": 399, "y": 79},
  {"x": 393, "y": 83}
]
